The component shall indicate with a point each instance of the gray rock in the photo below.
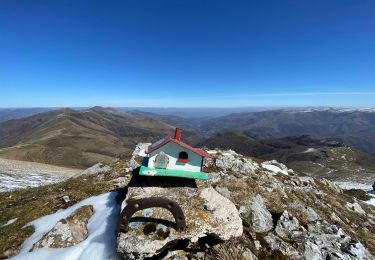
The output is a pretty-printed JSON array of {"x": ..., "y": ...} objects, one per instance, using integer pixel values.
[
  {"x": 67, "y": 232},
  {"x": 275, "y": 243},
  {"x": 258, "y": 215},
  {"x": 311, "y": 214},
  {"x": 233, "y": 163},
  {"x": 223, "y": 191},
  {"x": 66, "y": 199},
  {"x": 312, "y": 252},
  {"x": 222, "y": 222},
  {"x": 355, "y": 207},
  {"x": 95, "y": 169},
  {"x": 286, "y": 225},
  {"x": 356, "y": 249}
]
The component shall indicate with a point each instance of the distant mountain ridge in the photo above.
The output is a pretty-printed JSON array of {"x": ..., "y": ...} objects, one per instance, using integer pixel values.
[
  {"x": 77, "y": 138},
  {"x": 16, "y": 113},
  {"x": 320, "y": 158},
  {"x": 356, "y": 127},
  {"x": 82, "y": 137}
]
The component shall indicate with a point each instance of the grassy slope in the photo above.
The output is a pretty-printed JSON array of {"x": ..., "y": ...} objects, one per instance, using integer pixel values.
[
  {"x": 29, "y": 204},
  {"x": 77, "y": 139}
]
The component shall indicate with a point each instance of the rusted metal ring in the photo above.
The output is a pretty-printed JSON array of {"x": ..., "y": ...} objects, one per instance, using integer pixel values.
[{"x": 152, "y": 202}]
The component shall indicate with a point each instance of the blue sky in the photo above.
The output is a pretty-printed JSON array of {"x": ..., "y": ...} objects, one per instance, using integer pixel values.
[{"x": 187, "y": 53}]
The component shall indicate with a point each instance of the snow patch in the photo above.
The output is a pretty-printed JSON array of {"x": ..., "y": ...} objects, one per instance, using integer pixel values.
[
  {"x": 11, "y": 221},
  {"x": 100, "y": 243},
  {"x": 310, "y": 150},
  {"x": 353, "y": 185},
  {"x": 274, "y": 168},
  {"x": 346, "y": 185},
  {"x": 372, "y": 200}
]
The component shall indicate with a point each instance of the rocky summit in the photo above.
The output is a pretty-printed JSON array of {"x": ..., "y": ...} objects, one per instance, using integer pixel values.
[{"x": 248, "y": 210}]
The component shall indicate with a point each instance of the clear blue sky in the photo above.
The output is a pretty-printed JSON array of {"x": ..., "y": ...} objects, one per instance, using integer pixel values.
[{"x": 187, "y": 53}]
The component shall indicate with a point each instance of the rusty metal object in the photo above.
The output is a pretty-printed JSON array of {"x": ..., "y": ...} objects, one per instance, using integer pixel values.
[{"x": 152, "y": 202}]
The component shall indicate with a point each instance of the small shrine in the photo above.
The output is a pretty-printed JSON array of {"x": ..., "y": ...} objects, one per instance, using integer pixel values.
[{"x": 172, "y": 157}]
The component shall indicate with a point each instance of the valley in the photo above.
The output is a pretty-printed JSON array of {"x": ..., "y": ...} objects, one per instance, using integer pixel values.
[{"x": 321, "y": 143}]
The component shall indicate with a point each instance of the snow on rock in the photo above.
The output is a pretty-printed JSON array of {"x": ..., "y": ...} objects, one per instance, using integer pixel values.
[
  {"x": 100, "y": 243},
  {"x": 140, "y": 149},
  {"x": 9, "y": 222},
  {"x": 67, "y": 232},
  {"x": 275, "y": 167},
  {"x": 137, "y": 156}
]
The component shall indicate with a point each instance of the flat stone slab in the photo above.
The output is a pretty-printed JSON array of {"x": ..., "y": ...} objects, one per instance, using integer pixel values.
[{"x": 152, "y": 231}]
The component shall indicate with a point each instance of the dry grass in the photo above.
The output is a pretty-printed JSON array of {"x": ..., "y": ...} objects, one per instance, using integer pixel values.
[{"x": 29, "y": 204}]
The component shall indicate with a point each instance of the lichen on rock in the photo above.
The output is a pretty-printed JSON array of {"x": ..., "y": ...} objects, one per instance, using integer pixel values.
[{"x": 67, "y": 232}]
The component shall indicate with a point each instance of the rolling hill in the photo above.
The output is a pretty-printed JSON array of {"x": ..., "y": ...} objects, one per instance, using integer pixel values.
[
  {"x": 353, "y": 127},
  {"x": 77, "y": 138}
]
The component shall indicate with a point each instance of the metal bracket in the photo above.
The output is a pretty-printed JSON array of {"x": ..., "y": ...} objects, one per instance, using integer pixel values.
[{"x": 152, "y": 202}]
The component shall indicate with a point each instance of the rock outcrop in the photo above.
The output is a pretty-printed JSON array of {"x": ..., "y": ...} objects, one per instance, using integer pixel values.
[
  {"x": 292, "y": 216},
  {"x": 209, "y": 216},
  {"x": 94, "y": 170},
  {"x": 246, "y": 210},
  {"x": 286, "y": 215},
  {"x": 67, "y": 232}
]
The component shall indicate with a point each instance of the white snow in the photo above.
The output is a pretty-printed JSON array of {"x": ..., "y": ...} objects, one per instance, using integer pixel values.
[
  {"x": 142, "y": 152},
  {"x": 310, "y": 150},
  {"x": 9, "y": 182},
  {"x": 274, "y": 168},
  {"x": 361, "y": 186},
  {"x": 372, "y": 200},
  {"x": 100, "y": 243},
  {"x": 345, "y": 185},
  {"x": 19, "y": 174},
  {"x": 11, "y": 221}
]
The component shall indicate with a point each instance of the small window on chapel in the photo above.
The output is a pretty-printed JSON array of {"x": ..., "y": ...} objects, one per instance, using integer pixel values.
[{"x": 183, "y": 157}]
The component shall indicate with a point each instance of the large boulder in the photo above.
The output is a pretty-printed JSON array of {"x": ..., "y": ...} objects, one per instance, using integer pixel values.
[
  {"x": 258, "y": 215},
  {"x": 208, "y": 214}
]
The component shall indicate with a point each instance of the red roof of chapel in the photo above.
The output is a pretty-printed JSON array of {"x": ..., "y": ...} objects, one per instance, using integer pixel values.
[{"x": 170, "y": 139}]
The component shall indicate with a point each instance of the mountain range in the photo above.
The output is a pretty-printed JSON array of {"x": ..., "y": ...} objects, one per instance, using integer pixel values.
[
  {"x": 76, "y": 138},
  {"x": 318, "y": 141}
]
